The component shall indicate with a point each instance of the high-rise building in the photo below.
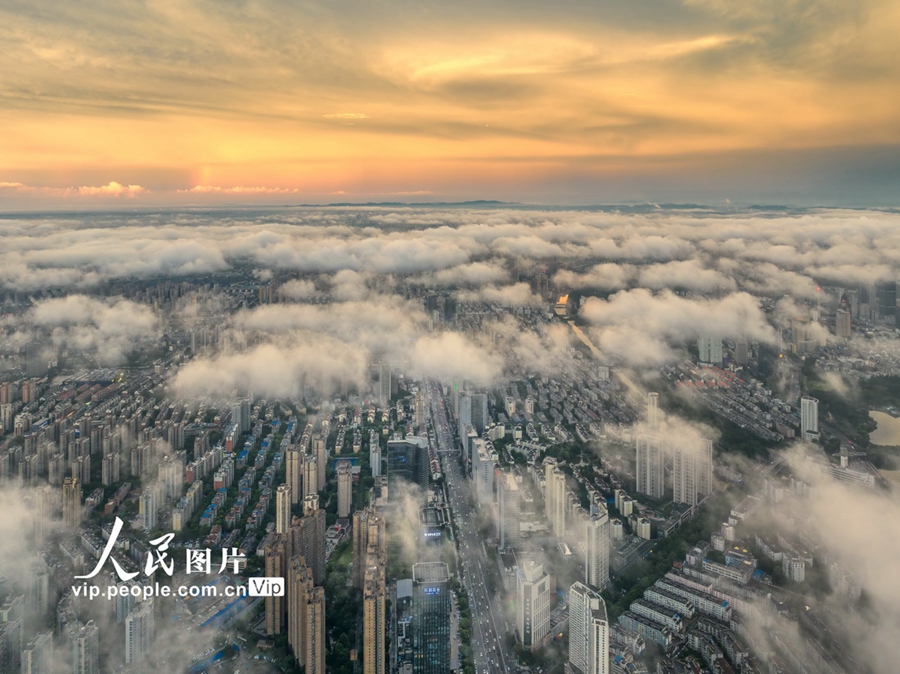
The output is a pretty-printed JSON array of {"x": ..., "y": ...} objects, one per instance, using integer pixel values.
[
  {"x": 886, "y": 300},
  {"x": 508, "y": 502},
  {"x": 484, "y": 462},
  {"x": 555, "y": 497},
  {"x": 293, "y": 467},
  {"x": 692, "y": 469},
  {"x": 533, "y": 592},
  {"x": 374, "y": 628},
  {"x": 315, "y": 632},
  {"x": 588, "y": 631},
  {"x": 464, "y": 412},
  {"x": 653, "y": 410},
  {"x": 431, "y": 618},
  {"x": 479, "y": 411},
  {"x": 741, "y": 352},
  {"x": 139, "y": 632},
  {"x": 368, "y": 532},
  {"x": 307, "y": 538},
  {"x": 282, "y": 508},
  {"x": 71, "y": 501},
  {"x": 310, "y": 476},
  {"x": 86, "y": 650},
  {"x": 37, "y": 656},
  {"x": 596, "y": 565},
  {"x": 298, "y": 589},
  {"x": 809, "y": 418},
  {"x": 408, "y": 460},
  {"x": 276, "y": 560},
  {"x": 649, "y": 471},
  {"x": 321, "y": 454},
  {"x": 375, "y": 454},
  {"x": 148, "y": 508},
  {"x": 842, "y": 327},
  {"x": 344, "y": 488},
  {"x": 384, "y": 383},
  {"x": 709, "y": 347}
]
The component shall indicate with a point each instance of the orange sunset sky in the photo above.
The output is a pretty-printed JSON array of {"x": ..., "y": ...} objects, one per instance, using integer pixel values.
[{"x": 210, "y": 102}]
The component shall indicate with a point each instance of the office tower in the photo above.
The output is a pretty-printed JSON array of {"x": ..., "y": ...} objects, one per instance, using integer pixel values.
[
  {"x": 282, "y": 508},
  {"x": 344, "y": 488},
  {"x": 692, "y": 472},
  {"x": 408, "y": 460},
  {"x": 555, "y": 497},
  {"x": 276, "y": 555},
  {"x": 588, "y": 631},
  {"x": 709, "y": 347},
  {"x": 315, "y": 632},
  {"x": 479, "y": 411},
  {"x": 148, "y": 509},
  {"x": 37, "y": 656},
  {"x": 809, "y": 418},
  {"x": 11, "y": 641},
  {"x": 653, "y": 410},
  {"x": 319, "y": 451},
  {"x": 293, "y": 472},
  {"x": 533, "y": 593},
  {"x": 298, "y": 590},
  {"x": 85, "y": 650},
  {"x": 310, "y": 476},
  {"x": 42, "y": 502},
  {"x": 431, "y": 618},
  {"x": 375, "y": 454},
  {"x": 741, "y": 352},
  {"x": 374, "y": 629},
  {"x": 384, "y": 383},
  {"x": 596, "y": 565},
  {"x": 649, "y": 471},
  {"x": 307, "y": 538},
  {"x": 464, "y": 412},
  {"x": 842, "y": 326},
  {"x": 36, "y": 361},
  {"x": 71, "y": 501},
  {"x": 139, "y": 632},
  {"x": 508, "y": 511}
]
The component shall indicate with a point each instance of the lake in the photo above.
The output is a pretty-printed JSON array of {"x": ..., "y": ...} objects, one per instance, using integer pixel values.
[{"x": 888, "y": 431}]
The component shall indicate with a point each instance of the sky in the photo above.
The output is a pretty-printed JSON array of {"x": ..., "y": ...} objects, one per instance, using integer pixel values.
[{"x": 193, "y": 102}]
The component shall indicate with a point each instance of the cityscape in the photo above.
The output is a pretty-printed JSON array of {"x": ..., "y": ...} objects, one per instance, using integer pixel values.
[
  {"x": 475, "y": 439},
  {"x": 418, "y": 337}
]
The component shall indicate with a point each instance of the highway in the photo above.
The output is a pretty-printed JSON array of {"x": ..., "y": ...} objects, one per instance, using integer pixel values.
[{"x": 488, "y": 624}]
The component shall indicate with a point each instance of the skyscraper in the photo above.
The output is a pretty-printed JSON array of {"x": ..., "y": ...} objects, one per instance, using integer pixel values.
[
  {"x": 310, "y": 476},
  {"x": 692, "y": 472},
  {"x": 276, "y": 560},
  {"x": 384, "y": 383},
  {"x": 508, "y": 510},
  {"x": 315, "y": 632},
  {"x": 298, "y": 589},
  {"x": 71, "y": 502},
  {"x": 653, "y": 410},
  {"x": 408, "y": 460},
  {"x": 596, "y": 565},
  {"x": 555, "y": 496},
  {"x": 431, "y": 618},
  {"x": 479, "y": 411},
  {"x": 148, "y": 508},
  {"x": 86, "y": 650},
  {"x": 139, "y": 632},
  {"x": 709, "y": 347},
  {"x": 320, "y": 452},
  {"x": 368, "y": 532},
  {"x": 649, "y": 472},
  {"x": 307, "y": 538},
  {"x": 282, "y": 508},
  {"x": 588, "y": 631},
  {"x": 374, "y": 628},
  {"x": 809, "y": 418},
  {"x": 842, "y": 327},
  {"x": 374, "y": 454},
  {"x": 344, "y": 488},
  {"x": 293, "y": 472},
  {"x": 532, "y": 604}
]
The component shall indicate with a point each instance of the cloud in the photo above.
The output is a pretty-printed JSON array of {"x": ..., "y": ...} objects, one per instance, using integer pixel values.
[
  {"x": 474, "y": 273},
  {"x": 112, "y": 189},
  {"x": 607, "y": 276},
  {"x": 515, "y": 295},
  {"x": 452, "y": 357},
  {"x": 346, "y": 115},
  {"x": 689, "y": 274},
  {"x": 642, "y": 328},
  {"x": 298, "y": 289}
]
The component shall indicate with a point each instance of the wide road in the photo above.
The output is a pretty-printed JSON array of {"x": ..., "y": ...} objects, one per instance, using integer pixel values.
[{"x": 488, "y": 624}]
